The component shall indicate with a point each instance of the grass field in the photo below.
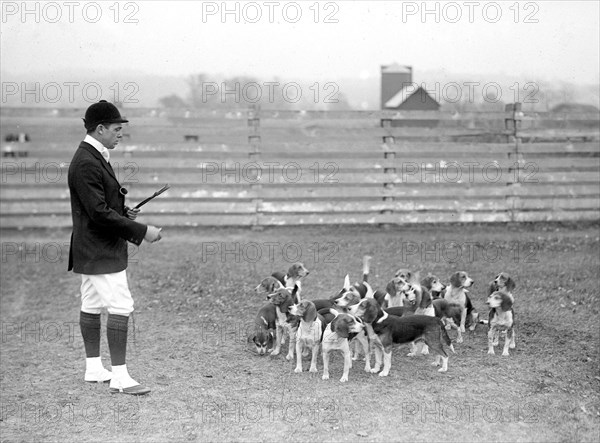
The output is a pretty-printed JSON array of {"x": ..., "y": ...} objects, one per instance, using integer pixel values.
[{"x": 195, "y": 304}]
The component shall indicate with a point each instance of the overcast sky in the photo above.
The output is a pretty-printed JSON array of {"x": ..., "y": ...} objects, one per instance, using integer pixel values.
[{"x": 544, "y": 39}]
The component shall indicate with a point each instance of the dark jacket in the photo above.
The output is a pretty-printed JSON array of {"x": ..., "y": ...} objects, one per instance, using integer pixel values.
[{"x": 100, "y": 229}]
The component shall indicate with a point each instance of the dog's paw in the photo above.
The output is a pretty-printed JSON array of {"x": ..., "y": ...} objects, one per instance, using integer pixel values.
[
  {"x": 425, "y": 351},
  {"x": 442, "y": 369},
  {"x": 325, "y": 377},
  {"x": 462, "y": 328},
  {"x": 344, "y": 378},
  {"x": 289, "y": 357},
  {"x": 495, "y": 342},
  {"x": 275, "y": 352},
  {"x": 505, "y": 354},
  {"x": 491, "y": 352},
  {"x": 298, "y": 369},
  {"x": 472, "y": 328},
  {"x": 383, "y": 374},
  {"x": 448, "y": 327},
  {"x": 512, "y": 346},
  {"x": 374, "y": 370},
  {"x": 435, "y": 363},
  {"x": 410, "y": 354},
  {"x": 459, "y": 339},
  {"x": 313, "y": 369}
]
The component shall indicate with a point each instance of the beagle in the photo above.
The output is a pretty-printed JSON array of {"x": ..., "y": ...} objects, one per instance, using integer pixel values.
[
  {"x": 398, "y": 293},
  {"x": 282, "y": 299},
  {"x": 268, "y": 285},
  {"x": 502, "y": 320},
  {"x": 265, "y": 325},
  {"x": 434, "y": 285},
  {"x": 391, "y": 330},
  {"x": 343, "y": 305},
  {"x": 456, "y": 292},
  {"x": 502, "y": 282},
  {"x": 336, "y": 337},
  {"x": 291, "y": 279},
  {"x": 412, "y": 279},
  {"x": 309, "y": 332},
  {"x": 446, "y": 310}
]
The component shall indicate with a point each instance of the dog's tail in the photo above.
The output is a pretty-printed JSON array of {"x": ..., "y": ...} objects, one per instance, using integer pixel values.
[
  {"x": 366, "y": 267},
  {"x": 444, "y": 337}
]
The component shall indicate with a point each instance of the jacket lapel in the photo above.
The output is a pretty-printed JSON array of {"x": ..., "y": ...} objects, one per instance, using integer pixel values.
[{"x": 97, "y": 155}]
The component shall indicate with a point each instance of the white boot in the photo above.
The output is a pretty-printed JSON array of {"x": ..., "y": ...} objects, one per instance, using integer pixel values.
[
  {"x": 95, "y": 372},
  {"x": 122, "y": 382}
]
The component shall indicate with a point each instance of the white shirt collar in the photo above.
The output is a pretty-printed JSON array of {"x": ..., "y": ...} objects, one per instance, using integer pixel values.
[{"x": 99, "y": 146}]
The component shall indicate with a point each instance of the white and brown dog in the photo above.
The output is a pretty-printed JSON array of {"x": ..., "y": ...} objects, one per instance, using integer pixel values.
[
  {"x": 399, "y": 293},
  {"x": 285, "y": 323},
  {"x": 501, "y": 321},
  {"x": 502, "y": 282},
  {"x": 268, "y": 285},
  {"x": 391, "y": 330},
  {"x": 309, "y": 333},
  {"x": 434, "y": 285},
  {"x": 343, "y": 305},
  {"x": 336, "y": 336},
  {"x": 456, "y": 292},
  {"x": 264, "y": 329},
  {"x": 291, "y": 279}
]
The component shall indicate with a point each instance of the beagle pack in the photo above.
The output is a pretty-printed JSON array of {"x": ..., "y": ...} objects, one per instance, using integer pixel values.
[{"x": 408, "y": 311}]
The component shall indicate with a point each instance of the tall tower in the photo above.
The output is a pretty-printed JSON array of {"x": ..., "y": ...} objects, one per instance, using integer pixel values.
[{"x": 393, "y": 79}]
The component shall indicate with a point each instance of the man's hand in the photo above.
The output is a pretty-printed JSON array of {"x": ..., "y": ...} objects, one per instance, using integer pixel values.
[
  {"x": 131, "y": 213},
  {"x": 152, "y": 234}
]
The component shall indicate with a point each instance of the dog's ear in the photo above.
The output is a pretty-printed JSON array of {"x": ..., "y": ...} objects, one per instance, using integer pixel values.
[
  {"x": 293, "y": 271},
  {"x": 391, "y": 288},
  {"x": 506, "y": 302},
  {"x": 310, "y": 310},
  {"x": 341, "y": 326},
  {"x": 370, "y": 311},
  {"x": 455, "y": 280},
  {"x": 510, "y": 284},
  {"x": 492, "y": 287}
]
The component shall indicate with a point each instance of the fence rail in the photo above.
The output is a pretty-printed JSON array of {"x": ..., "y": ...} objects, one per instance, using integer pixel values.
[{"x": 291, "y": 167}]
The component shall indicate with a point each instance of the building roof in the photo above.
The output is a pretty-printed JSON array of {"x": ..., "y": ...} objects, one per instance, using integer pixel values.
[
  {"x": 396, "y": 68},
  {"x": 401, "y": 96}
]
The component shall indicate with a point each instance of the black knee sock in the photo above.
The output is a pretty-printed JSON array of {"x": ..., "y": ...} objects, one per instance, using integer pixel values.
[
  {"x": 116, "y": 330},
  {"x": 90, "y": 331}
]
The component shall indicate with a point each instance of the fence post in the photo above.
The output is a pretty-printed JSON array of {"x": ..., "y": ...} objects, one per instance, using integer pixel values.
[
  {"x": 254, "y": 144},
  {"x": 388, "y": 184},
  {"x": 513, "y": 123}
]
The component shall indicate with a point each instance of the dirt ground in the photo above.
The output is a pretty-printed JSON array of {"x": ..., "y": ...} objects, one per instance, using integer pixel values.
[{"x": 195, "y": 305}]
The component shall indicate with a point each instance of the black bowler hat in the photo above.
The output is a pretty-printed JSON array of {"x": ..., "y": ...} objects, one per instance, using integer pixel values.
[{"x": 102, "y": 112}]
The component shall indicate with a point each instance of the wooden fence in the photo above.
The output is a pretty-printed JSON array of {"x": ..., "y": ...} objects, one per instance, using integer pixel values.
[{"x": 260, "y": 168}]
